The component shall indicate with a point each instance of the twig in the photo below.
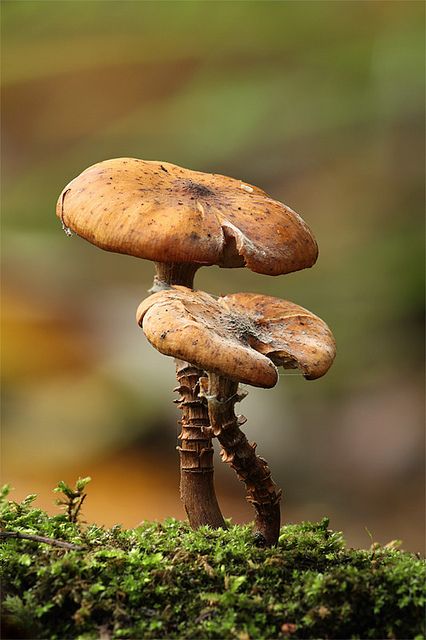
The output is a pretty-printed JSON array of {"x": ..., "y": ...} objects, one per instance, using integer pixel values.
[{"x": 34, "y": 538}]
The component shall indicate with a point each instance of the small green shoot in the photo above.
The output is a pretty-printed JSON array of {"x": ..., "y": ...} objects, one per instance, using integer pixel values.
[{"x": 73, "y": 499}]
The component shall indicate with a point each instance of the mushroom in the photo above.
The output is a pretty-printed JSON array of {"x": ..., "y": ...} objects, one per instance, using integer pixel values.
[
  {"x": 241, "y": 337},
  {"x": 182, "y": 220}
]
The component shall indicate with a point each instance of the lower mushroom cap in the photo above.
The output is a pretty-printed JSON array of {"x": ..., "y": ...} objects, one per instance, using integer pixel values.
[
  {"x": 192, "y": 326},
  {"x": 241, "y": 336}
]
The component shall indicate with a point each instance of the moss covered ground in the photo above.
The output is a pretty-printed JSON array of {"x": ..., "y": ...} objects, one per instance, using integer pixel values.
[{"x": 163, "y": 580}]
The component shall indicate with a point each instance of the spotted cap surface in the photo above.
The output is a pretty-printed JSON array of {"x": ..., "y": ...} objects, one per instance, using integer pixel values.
[
  {"x": 242, "y": 336},
  {"x": 165, "y": 213}
]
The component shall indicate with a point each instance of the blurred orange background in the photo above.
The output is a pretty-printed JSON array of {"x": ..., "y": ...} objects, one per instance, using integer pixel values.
[{"x": 318, "y": 103}]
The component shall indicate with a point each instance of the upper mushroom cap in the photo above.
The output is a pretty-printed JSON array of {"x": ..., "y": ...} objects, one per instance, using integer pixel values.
[
  {"x": 241, "y": 336},
  {"x": 162, "y": 212}
]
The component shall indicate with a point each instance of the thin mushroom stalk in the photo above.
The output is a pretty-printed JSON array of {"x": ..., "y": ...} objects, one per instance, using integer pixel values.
[
  {"x": 196, "y": 452},
  {"x": 197, "y": 491},
  {"x": 168, "y": 274},
  {"x": 263, "y": 494}
]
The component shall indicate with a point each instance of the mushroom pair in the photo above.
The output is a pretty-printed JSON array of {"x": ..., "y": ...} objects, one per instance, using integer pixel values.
[{"x": 181, "y": 220}]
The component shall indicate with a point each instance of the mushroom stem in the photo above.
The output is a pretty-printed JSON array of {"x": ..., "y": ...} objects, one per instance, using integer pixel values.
[
  {"x": 196, "y": 452},
  {"x": 170, "y": 273},
  {"x": 222, "y": 394}
]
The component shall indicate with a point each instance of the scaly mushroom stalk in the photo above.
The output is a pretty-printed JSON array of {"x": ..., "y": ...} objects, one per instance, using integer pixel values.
[
  {"x": 222, "y": 394},
  {"x": 196, "y": 452},
  {"x": 197, "y": 490}
]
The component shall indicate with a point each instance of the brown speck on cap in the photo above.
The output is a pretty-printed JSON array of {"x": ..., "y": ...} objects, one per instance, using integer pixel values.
[
  {"x": 226, "y": 214},
  {"x": 243, "y": 336}
]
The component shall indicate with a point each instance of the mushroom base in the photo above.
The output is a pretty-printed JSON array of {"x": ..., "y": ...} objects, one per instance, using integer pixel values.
[{"x": 196, "y": 452}]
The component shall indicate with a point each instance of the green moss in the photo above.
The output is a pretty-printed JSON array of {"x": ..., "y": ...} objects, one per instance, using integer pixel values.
[{"x": 163, "y": 580}]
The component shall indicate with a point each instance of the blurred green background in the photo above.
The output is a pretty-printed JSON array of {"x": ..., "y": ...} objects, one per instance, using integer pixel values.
[{"x": 318, "y": 103}]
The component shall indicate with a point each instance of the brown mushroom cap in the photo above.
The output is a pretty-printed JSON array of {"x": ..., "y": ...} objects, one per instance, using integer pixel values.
[
  {"x": 162, "y": 212},
  {"x": 240, "y": 336},
  {"x": 291, "y": 336},
  {"x": 193, "y": 326}
]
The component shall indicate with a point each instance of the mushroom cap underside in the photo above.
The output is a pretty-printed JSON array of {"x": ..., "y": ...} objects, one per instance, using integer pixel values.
[
  {"x": 162, "y": 212},
  {"x": 242, "y": 336}
]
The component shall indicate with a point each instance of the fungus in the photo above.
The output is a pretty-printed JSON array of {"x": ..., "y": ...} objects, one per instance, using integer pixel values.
[
  {"x": 238, "y": 338},
  {"x": 182, "y": 220}
]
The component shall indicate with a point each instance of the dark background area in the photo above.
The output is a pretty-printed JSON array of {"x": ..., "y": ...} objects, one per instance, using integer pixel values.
[{"x": 318, "y": 103}]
